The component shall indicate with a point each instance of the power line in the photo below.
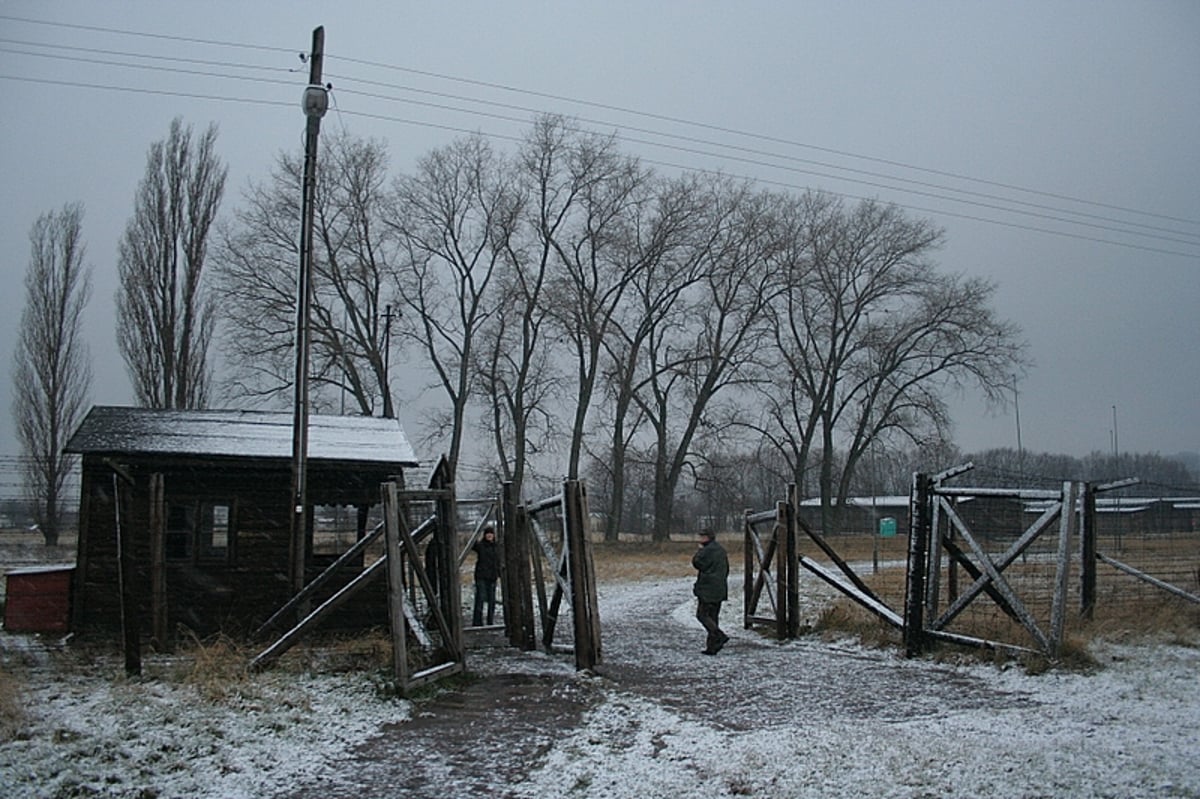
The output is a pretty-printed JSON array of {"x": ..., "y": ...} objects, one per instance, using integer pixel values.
[
  {"x": 680, "y": 148},
  {"x": 1194, "y": 237},
  {"x": 145, "y": 35},
  {"x": 994, "y": 202},
  {"x": 766, "y": 138},
  {"x": 136, "y": 90}
]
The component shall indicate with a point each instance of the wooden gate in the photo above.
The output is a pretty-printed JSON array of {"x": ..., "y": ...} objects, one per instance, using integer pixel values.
[
  {"x": 1006, "y": 570},
  {"x": 424, "y": 604},
  {"x": 772, "y": 568},
  {"x": 547, "y": 551},
  {"x": 1093, "y": 554}
]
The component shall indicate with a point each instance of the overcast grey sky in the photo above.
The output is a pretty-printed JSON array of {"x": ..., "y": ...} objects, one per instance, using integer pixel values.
[{"x": 1056, "y": 143}]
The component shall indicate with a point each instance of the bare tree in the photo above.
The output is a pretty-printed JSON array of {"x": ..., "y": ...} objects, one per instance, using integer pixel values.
[
  {"x": 585, "y": 194},
  {"x": 453, "y": 218},
  {"x": 51, "y": 370},
  {"x": 517, "y": 373},
  {"x": 165, "y": 313},
  {"x": 870, "y": 335},
  {"x": 666, "y": 250},
  {"x": 352, "y": 282},
  {"x": 715, "y": 349}
]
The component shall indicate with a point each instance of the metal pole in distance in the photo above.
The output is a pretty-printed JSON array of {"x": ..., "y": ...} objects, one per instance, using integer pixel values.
[{"x": 315, "y": 103}]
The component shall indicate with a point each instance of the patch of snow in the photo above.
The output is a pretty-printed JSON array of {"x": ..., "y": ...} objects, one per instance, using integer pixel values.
[{"x": 805, "y": 718}]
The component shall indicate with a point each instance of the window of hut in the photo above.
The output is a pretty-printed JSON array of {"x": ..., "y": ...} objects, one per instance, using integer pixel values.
[
  {"x": 213, "y": 532},
  {"x": 199, "y": 530},
  {"x": 335, "y": 529},
  {"x": 180, "y": 522}
]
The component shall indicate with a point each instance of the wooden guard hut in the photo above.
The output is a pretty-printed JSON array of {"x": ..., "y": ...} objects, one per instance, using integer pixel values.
[{"x": 184, "y": 515}]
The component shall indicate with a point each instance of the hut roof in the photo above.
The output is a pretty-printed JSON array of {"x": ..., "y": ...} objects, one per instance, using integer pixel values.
[{"x": 111, "y": 430}]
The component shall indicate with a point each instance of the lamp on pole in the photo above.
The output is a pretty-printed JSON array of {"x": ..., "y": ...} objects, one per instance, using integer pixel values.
[
  {"x": 1116, "y": 473},
  {"x": 1116, "y": 446},
  {"x": 389, "y": 411},
  {"x": 315, "y": 103}
]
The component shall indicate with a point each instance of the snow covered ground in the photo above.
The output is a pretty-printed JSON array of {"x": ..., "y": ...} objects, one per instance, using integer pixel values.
[{"x": 800, "y": 719}]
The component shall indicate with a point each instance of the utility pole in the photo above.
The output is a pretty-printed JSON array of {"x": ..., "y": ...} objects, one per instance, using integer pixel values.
[
  {"x": 315, "y": 102},
  {"x": 388, "y": 411}
]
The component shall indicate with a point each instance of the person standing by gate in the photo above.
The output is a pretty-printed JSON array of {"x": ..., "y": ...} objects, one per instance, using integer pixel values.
[
  {"x": 711, "y": 589},
  {"x": 487, "y": 571}
]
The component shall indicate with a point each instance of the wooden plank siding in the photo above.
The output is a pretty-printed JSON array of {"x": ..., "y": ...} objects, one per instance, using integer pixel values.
[{"x": 231, "y": 589}]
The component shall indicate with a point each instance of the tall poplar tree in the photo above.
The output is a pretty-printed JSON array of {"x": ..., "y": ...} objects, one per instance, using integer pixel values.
[
  {"x": 51, "y": 369},
  {"x": 165, "y": 313}
]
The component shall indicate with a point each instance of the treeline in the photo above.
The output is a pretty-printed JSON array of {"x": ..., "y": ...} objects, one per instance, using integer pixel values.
[
  {"x": 725, "y": 487},
  {"x": 569, "y": 306}
]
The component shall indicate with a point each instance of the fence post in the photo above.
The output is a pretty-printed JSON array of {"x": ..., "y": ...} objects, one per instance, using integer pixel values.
[
  {"x": 1087, "y": 553},
  {"x": 445, "y": 538},
  {"x": 1066, "y": 528},
  {"x": 793, "y": 561},
  {"x": 517, "y": 590},
  {"x": 395, "y": 577},
  {"x": 749, "y": 573},
  {"x": 582, "y": 574},
  {"x": 918, "y": 551},
  {"x": 779, "y": 535}
]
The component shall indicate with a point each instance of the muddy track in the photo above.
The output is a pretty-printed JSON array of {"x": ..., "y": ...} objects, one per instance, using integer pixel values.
[{"x": 484, "y": 735}]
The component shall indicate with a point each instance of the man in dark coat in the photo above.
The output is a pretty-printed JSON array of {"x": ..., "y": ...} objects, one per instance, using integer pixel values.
[
  {"x": 487, "y": 571},
  {"x": 711, "y": 589}
]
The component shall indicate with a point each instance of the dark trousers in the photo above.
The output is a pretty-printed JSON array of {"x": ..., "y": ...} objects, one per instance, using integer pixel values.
[
  {"x": 485, "y": 594},
  {"x": 708, "y": 614}
]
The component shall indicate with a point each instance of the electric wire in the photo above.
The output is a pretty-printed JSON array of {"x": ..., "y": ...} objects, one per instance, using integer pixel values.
[{"x": 1172, "y": 233}]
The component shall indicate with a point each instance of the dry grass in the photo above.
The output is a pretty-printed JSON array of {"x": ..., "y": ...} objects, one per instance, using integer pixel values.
[
  {"x": 217, "y": 667},
  {"x": 629, "y": 561}
]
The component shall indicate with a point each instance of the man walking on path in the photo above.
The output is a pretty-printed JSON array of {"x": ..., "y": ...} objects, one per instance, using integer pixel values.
[{"x": 711, "y": 589}]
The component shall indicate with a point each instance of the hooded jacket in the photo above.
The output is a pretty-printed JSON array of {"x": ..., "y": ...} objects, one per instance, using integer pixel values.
[{"x": 713, "y": 564}]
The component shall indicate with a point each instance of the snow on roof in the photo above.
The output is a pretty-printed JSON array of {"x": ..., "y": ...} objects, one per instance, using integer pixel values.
[
  {"x": 882, "y": 501},
  {"x": 46, "y": 568},
  {"x": 243, "y": 434}
]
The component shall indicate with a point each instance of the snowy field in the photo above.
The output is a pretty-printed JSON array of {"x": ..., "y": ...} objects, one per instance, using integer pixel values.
[{"x": 802, "y": 719}]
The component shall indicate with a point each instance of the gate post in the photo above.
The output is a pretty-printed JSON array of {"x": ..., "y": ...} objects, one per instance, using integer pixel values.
[
  {"x": 1066, "y": 528},
  {"x": 584, "y": 604},
  {"x": 793, "y": 563},
  {"x": 445, "y": 538},
  {"x": 748, "y": 570},
  {"x": 782, "y": 590},
  {"x": 516, "y": 589},
  {"x": 918, "y": 550},
  {"x": 1087, "y": 553}
]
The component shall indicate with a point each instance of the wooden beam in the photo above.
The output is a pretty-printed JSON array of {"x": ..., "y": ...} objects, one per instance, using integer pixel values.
[
  {"x": 841, "y": 564},
  {"x": 918, "y": 564},
  {"x": 1177, "y": 591},
  {"x": 432, "y": 674},
  {"x": 397, "y": 614},
  {"x": 960, "y": 557},
  {"x": 867, "y": 601},
  {"x": 307, "y": 592},
  {"x": 131, "y": 626},
  {"x": 1068, "y": 522},
  {"x": 158, "y": 565},
  {"x": 993, "y": 574},
  {"x": 1011, "y": 554},
  {"x": 779, "y": 534},
  {"x": 1087, "y": 552},
  {"x": 292, "y": 636}
]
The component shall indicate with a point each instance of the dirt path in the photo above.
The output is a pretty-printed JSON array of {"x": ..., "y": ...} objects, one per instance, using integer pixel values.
[{"x": 485, "y": 737}]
